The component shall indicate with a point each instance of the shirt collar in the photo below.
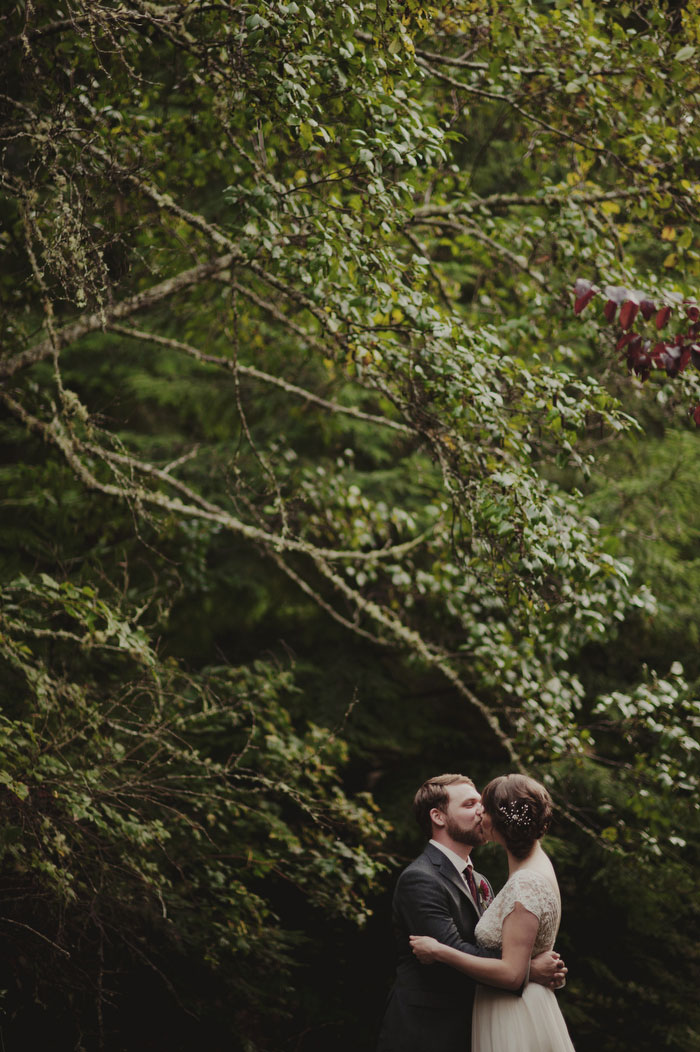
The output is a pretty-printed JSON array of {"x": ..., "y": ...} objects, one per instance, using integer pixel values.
[{"x": 457, "y": 861}]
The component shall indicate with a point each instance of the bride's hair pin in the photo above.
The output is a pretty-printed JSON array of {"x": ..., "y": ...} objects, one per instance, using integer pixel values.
[{"x": 517, "y": 813}]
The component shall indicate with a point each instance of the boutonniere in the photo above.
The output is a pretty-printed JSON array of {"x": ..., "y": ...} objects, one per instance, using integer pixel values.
[{"x": 484, "y": 894}]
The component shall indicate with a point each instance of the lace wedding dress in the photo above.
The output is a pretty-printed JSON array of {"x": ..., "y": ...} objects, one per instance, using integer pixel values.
[{"x": 503, "y": 1022}]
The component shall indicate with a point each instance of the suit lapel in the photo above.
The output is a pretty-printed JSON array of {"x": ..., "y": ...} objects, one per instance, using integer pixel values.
[{"x": 443, "y": 863}]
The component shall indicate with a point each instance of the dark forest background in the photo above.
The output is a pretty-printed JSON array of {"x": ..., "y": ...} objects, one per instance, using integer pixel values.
[{"x": 313, "y": 484}]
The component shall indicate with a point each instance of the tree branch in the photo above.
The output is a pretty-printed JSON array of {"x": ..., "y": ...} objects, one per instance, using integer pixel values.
[
  {"x": 56, "y": 434},
  {"x": 482, "y": 67},
  {"x": 313, "y": 594},
  {"x": 256, "y": 374},
  {"x": 430, "y": 653},
  {"x": 512, "y": 200},
  {"x": 100, "y": 319},
  {"x": 214, "y": 234},
  {"x": 495, "y": 97},
  {"x": 471, "y": 229},
  {"x": 39, "y": 935}
]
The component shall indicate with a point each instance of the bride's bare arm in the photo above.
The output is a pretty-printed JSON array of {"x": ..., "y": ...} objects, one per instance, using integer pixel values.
[{"x": 509, "y": 973}]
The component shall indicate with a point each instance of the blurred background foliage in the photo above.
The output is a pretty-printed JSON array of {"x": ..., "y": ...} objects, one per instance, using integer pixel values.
[{"x": 313, "y": 485}]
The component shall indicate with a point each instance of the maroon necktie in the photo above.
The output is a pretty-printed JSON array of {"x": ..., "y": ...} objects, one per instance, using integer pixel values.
[{"x": 471, "y": 884}]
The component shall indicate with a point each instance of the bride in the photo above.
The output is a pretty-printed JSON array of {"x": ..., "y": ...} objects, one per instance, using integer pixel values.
[{"x": 521, "y": 922}]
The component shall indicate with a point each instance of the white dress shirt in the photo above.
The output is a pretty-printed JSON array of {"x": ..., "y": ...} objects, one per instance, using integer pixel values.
[{"x": 457, "y": 861}]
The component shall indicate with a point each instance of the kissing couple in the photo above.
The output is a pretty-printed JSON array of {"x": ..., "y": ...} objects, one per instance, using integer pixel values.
[{"x": 477, "y": 972}]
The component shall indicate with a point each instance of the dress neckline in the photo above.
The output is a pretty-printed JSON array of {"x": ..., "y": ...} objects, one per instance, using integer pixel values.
[
  {"x": 528, "y": 869},
  {"x": 538, "y": 872}
]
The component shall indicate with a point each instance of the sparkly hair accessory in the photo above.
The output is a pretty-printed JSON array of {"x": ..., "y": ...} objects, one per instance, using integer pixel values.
[{"x": 517, "y": 814}]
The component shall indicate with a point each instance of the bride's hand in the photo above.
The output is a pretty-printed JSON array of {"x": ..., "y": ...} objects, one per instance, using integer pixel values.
[{"x": 425, "y": 948}]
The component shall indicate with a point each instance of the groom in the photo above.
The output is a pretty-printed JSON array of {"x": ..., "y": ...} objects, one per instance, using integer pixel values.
[{"x": 440, "y": 894}]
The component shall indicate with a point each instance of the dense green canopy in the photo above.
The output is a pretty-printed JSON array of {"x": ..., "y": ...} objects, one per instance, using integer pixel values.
[{"x": 314, "y": 485}]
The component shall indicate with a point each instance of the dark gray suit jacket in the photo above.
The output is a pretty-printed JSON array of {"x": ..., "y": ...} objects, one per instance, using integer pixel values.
[{"x": 430, "y": 1006}]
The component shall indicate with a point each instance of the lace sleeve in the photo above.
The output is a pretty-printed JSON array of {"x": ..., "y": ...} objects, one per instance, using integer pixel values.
[
  {"x": 532, "y": 890},
  {"x": 537, "y": 895}
]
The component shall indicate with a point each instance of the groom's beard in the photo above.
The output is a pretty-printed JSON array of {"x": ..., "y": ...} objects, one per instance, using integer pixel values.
[{"x": 473, "y": 836}]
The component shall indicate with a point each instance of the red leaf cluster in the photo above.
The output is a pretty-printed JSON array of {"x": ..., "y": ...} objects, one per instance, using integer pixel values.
[{"x": 642, "y": 351}]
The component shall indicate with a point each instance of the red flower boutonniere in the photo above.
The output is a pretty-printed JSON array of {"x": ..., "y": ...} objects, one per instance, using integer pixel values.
[{"x": 484, "y": 894}]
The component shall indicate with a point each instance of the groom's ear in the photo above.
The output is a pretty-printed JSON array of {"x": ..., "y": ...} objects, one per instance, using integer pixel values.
[{"x": 437, "y": 817}]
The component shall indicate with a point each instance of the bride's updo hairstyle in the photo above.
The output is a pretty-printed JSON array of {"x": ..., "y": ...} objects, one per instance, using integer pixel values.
[{"x": 520, "y": 810}]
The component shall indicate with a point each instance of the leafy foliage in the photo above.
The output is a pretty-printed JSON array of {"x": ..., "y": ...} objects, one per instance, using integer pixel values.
[
  {"x": 145, "y": 811},
  {"x": 293, "y": 393}
]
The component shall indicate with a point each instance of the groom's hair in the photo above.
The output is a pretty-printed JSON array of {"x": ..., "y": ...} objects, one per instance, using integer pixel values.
[{"x": 433, "y": 793}]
